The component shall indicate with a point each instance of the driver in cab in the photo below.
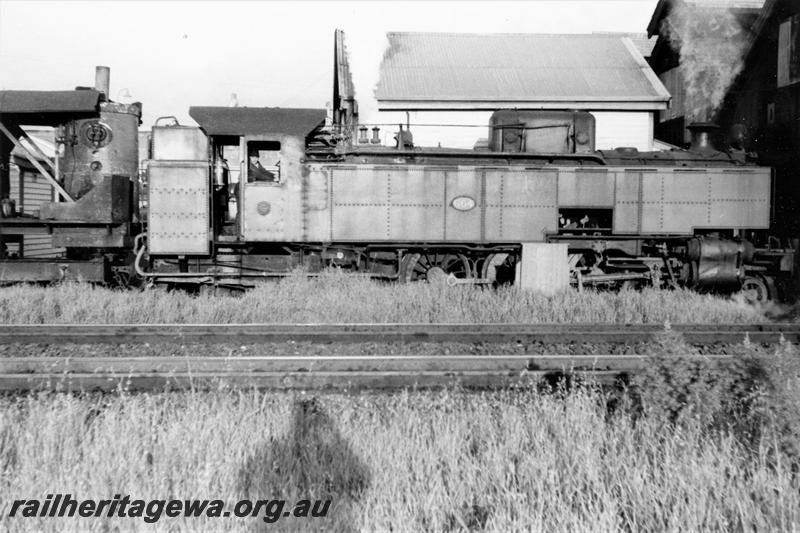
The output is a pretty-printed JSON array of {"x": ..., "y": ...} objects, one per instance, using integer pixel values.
[{"x": 256, "y": 171}]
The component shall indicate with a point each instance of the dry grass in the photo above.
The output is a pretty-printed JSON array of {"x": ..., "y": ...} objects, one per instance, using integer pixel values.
[
  {"x": 336, "y": 297},
  {"x": 509, "y": 460},
  {"x": 447, "y": 461}
]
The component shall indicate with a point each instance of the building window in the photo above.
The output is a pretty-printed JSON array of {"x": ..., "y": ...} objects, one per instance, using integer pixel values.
[{"x": 771, "y": 113}]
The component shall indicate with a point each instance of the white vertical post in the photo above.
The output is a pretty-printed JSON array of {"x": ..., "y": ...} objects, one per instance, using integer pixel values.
[{"x": 543, "y": 267}]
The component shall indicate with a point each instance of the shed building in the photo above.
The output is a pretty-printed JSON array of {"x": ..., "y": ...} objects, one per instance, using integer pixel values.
[
  {"x": 766, "y": 99},
  {"x": 433, "y": 80},
  {"x": 29, "y": 190}
]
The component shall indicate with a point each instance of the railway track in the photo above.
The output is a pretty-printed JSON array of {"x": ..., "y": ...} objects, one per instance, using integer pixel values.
[
  {"x": 305, "y": 372},
  {"x": 351, "y": 333},
  {"x": 348, "y": 372}
]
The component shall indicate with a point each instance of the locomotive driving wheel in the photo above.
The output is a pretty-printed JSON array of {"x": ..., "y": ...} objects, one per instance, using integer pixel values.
[
  {"x": 496, "y": 269},
  {"x": 433, "y": 267},
  {"x": 755, "y": 290}
]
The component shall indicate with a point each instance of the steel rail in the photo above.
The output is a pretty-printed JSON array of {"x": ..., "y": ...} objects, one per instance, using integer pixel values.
[
  {"x": 351, "y": 333},
  {"x": 350, "y": 372}
]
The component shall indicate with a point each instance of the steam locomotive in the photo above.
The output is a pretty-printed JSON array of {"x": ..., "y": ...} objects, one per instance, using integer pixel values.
[{"x": 255, "y": 193}]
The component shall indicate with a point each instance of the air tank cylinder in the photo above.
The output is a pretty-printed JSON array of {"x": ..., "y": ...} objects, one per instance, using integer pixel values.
[{"x": 718, "y": 262}]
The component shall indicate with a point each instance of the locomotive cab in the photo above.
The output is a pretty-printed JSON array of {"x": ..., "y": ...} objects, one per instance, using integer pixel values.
[{"x": 217, "y": 191}]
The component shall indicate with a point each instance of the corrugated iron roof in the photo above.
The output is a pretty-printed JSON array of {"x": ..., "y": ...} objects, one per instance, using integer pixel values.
[
  {"x": 529, "y": 69},
  {"x": 257, "y": 120}
]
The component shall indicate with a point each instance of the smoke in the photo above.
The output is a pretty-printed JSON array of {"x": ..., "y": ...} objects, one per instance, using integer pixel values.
[
  {"x": 711, "y": 43},
  {"x": 365, "y": 51}
]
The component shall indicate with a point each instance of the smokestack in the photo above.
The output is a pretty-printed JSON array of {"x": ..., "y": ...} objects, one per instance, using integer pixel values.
[
  {"x": 102, "y": 79},
  {"x": 701, "y": 136}
]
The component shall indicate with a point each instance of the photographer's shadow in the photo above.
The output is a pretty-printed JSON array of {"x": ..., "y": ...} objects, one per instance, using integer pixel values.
[{"x": 311, "y": 462}]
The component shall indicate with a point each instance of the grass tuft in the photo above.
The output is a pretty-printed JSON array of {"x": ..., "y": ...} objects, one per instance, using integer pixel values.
[{"x": 754, "y": 396}]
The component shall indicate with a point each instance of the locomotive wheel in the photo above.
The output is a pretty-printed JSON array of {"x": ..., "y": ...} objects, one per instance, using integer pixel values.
[
  {"x": 755, "y": 290},
  {"x": 434, "y": 267},
  {"x": 490, "y": 264}
]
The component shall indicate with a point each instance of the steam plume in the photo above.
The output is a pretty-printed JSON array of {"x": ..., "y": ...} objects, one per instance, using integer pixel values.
[
  {"x": 711, "y": 43},
  {"x": 365, "y": 51}
]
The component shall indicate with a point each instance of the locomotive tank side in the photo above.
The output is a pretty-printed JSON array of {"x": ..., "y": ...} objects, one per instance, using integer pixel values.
[
  {"x": 406, "y": 203},
  {"x": 475, "y": 204}
]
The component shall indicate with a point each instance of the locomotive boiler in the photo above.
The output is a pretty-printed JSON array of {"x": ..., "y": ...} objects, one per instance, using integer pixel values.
[{"x": 255, "y": 193}]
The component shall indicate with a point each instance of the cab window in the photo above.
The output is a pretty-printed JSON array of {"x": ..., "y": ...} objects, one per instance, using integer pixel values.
[{"x": 263, "y": 161}]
